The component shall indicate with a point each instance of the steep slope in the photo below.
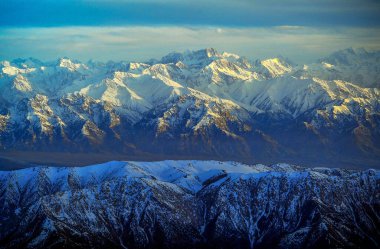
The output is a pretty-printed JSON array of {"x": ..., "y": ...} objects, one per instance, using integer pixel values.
[
  {"x": 197, "y": 103},
  {"x": 189, "y": 204}
]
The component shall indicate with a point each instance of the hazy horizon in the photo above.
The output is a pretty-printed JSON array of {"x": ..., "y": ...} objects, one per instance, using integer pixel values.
[
  {"x": 141, "y": 30},
  {"x": 159, "y": 57}
]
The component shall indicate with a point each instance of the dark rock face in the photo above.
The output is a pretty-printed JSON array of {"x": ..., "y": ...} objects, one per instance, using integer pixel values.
[{"x": 189, "y": 204}]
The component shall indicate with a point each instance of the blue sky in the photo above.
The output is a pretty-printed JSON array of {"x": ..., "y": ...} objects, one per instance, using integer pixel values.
[{"x": 138, "y": 30}]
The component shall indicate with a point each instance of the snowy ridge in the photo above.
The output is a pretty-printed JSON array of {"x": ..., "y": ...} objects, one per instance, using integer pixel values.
[
  {"x": 191, "y": 102},
  {"x": 196, "y": 204}
]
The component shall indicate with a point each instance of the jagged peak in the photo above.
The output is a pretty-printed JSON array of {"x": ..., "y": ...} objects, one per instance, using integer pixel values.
[
  {"x": 64, "y": 61},
  {"x": 230, "y": 55},
  {"x": 21, "y": 84},
  {"x": 68, "y": 63},
  {"x": 191, "y": 56},
  {"x": 276, "y": 60},
  {"x": 172, "y": 57},
  {"x": 281, "y": 60},
  {"x": 136, "y": 65},
  {"x": 211, "y": 52},
  {"x": 203, "y": 53},
  {"x": 275, "y": 66}
]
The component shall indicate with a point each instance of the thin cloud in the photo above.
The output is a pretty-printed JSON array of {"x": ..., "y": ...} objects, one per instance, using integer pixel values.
[{"x": 139, "y": 43}]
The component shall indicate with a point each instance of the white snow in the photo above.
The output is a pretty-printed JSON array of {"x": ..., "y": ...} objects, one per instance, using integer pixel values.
[
  {"x": 203, "y": 78},
  {"x": 188, "y": 174}
]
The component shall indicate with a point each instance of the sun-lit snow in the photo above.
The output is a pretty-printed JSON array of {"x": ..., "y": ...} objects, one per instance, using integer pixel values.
[{"x": 182, "y": 93}]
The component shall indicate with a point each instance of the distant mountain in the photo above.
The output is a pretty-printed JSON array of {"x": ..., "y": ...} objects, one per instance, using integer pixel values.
[
  {"x": 354, "y": 65},
  {"x": 202, "y": 104},
  {"x": 189, "y": 204}
]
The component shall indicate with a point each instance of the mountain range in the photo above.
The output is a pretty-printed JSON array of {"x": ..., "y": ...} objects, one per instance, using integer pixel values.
[
  {"x": 189, "y": 204},
  {"x": 202, "y": 104}
]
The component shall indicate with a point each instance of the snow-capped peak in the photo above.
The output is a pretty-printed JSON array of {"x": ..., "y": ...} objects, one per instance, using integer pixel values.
[
  {"x": 276, "y": 66},
  {"x": 203, "y": 98},
  {"x": 194, "y": 58},
  {"x": 230, "y": 56},
  {"x": 69, "y": 64}
]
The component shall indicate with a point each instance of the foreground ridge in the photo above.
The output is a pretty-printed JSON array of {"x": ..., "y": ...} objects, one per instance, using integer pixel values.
[{"x": 189, "y": 204}]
